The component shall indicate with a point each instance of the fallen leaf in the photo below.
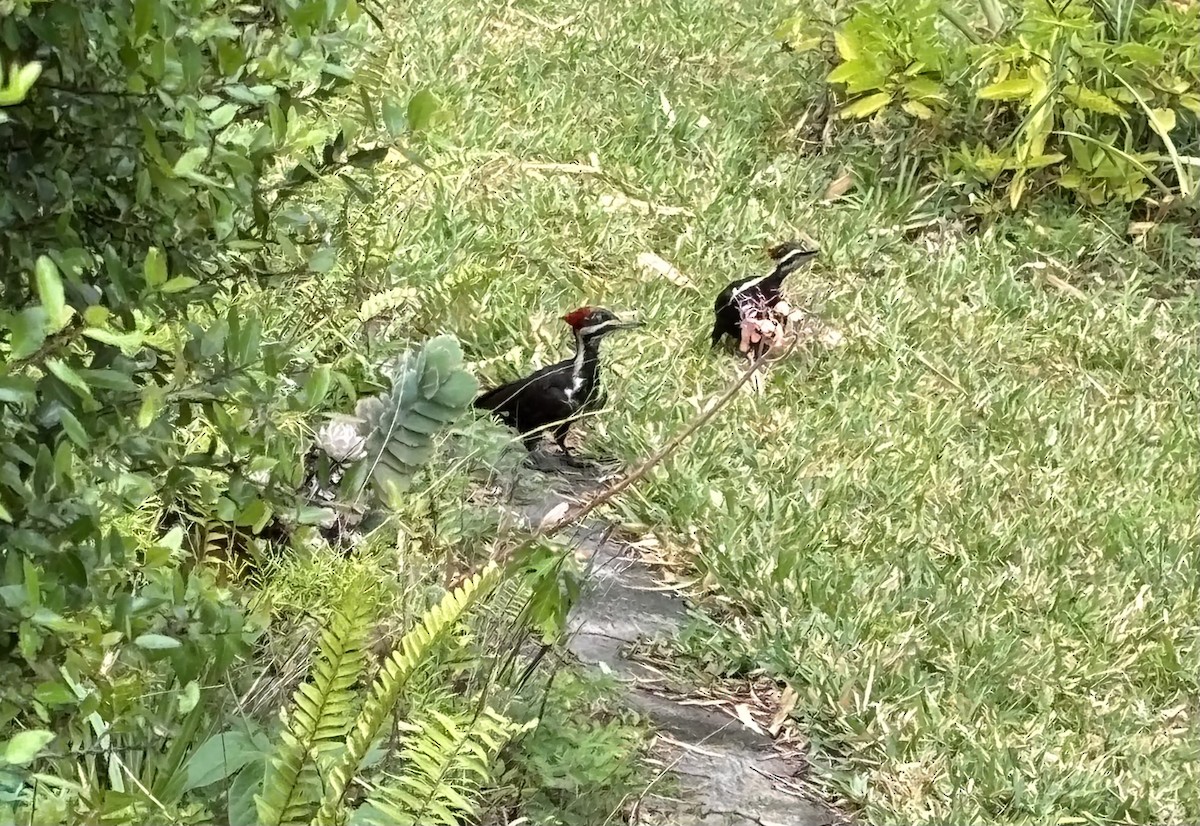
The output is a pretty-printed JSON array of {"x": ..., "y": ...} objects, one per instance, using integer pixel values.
[
  {"x": 743, "y": 714},
  {"x": 554, "y": 514},
  {"x": 787, "y": 702},
  {"x": 666, "y": 108},
  {"x": 839, "y": 186},
  {"x": 660, "y": 266}
]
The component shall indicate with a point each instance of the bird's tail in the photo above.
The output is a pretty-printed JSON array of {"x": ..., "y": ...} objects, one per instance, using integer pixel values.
[{"x": 492, "y": 398}]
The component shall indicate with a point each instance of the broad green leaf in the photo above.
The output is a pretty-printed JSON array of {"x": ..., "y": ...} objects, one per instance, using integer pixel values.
[
  {"x": 223, "y": 115},
  {"x": 56, "y": 622},
  {"x": 17, "y": 390},
  {"x": 422, "y": 109},
  {"x": 154, "y": 268},
  {"x": 143, "y": 16},
  {"x": 317, "y": 386},
  {"x": 178, "y": 284},
  {"x": 866, "y": 106},
  {"x": 5, "y": 516},
  {"x": 50, "y": 292},
  {"x": 218, "y": 757},
  {"x": 923, "y": 89},
  {"x": 190, "y": 161},
  {"x": 242, "y": 809},
  {"x": 28, "y": 329},
  {"x": 25, "y": 746},
  {"x": 393, "y": 117},
  {"x": 323, "y": 260},
  {"x": 156, "y": 642},
  {"x": 1015, "y": 89},
  {"x": 857, "y": 76}
]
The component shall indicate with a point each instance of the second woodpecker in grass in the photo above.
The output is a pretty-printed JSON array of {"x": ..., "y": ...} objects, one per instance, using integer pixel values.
[
  {"x": 749, "y": 296},
  {"x": 553, "y": 398}
]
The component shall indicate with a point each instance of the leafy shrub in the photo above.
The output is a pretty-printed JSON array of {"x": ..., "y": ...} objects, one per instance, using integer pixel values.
[
  {"x": 138, "y": 206},
  {"x": 1080, "y": 96}
]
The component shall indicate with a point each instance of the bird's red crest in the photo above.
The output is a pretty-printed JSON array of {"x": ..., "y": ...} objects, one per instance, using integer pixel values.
[{"x": 576, "y": 317}]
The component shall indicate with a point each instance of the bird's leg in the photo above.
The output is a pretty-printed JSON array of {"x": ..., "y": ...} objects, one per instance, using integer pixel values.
[
  {"x": 576, "y": 461},
  {"x": 560, "y": 436}
]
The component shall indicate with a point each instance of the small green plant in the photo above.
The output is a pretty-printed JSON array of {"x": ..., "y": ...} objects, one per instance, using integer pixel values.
[
  {"x": 580, "y": 765},
  {"x": 891, "y": 54},
  {"x": 1076, "y": 95}
]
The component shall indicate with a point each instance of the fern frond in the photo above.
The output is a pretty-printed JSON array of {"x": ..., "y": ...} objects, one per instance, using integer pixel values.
[
  {"x": 430, "y": 390},
  {"x": 447, "y": 762},
  {"x": 386, "y": 301},
  {"x": 321, "y": 714},
  {"x": 414, "y": 647}
]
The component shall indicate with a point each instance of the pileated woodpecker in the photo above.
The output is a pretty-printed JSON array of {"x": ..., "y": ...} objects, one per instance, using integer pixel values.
[
  {"x": 554, "y": 397},
  {"x": 758, "y": 291}
]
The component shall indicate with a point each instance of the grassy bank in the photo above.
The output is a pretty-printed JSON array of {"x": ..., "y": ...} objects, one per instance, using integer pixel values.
[{"x": 967, "y": 536}]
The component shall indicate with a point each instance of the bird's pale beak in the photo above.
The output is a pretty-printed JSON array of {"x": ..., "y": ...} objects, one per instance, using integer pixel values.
[{"x": 630, "y": 325}]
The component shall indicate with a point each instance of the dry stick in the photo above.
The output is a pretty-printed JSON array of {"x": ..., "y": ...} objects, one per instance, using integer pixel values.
[{"x": 579, "y": 511}]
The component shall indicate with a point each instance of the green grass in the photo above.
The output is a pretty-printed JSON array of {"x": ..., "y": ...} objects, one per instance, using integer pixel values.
[{"x": 968, "y": 536}]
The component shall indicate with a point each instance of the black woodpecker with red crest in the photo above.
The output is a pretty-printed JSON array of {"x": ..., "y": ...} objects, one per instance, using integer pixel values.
[
  {"x": 553, "y": 398},
  {"x": 750, "y": 296}
]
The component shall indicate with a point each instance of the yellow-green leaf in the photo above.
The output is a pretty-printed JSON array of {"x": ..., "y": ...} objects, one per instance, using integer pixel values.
[
  {"x": 189, "y": 161},
  {"x": 1092, "y": 100},
  {"x": 20, "y": 81},
  {"x": 1016, "y": 189},
  {"x": 154, "y": 268},
  {"x": 422, "y": 109},
  {"x": 50, "y": 293},
  {"x": 1015, "y": 89},
  {"x": 152, "y": 404},
  {"x": 179, "y": 283},
  {"x": 865, "y": 107},
  {"x": 25, "y": 746},
  {"x": 130, "y": 343},
  {"x": 1162, "y": 120},
  {"x": 917, "y": 109},
  {"x": 846, "y": 47}
]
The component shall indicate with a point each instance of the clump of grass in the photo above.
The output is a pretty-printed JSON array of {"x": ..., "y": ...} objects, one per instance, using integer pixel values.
[{"x": 967, "y": 537}]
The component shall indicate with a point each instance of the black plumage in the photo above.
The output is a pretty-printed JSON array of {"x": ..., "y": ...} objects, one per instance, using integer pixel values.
[
  {"x": 553, "y": 398},
  {"x": 757, "y": 292}
]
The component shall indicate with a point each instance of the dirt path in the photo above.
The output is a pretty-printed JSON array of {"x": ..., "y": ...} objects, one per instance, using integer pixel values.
[{"x": 727, "y": 773}]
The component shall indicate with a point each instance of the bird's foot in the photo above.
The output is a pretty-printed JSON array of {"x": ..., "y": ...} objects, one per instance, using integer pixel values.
[
  {"x": 540, "y": 460},
  {"x": 589, "y": 462}
]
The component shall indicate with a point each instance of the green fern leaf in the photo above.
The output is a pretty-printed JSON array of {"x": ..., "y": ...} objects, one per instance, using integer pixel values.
[
  {"x": 446, "y": 762},
  {"x": 415, "y": 646},
  {"x": 321, "y": 714}
]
